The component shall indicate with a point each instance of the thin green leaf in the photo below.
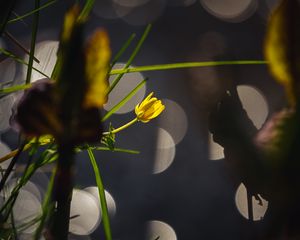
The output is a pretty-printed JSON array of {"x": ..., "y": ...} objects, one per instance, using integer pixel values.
[
  {"x": 13, "y": 225},
  {"x": 22, "y": 20},
  {"x": 102, "y": 197},
  {"x": 123, "y": 150},
  {"x": 185, "y": 65},
  {"x": 14, "y": 88},
  {"x": 123, "y": 101},
  {"x": 123, "y": 49},
  {"x": 11, "y": 166},
  {"x": 32, "y": 12},
  {"x": 17, "y": 43},
  {"x": 33, "y": 40},
  {"x": 86, "y": 10},
  {"x": 57, "y": 67},
  {"x": 133, "y": 55},
  {"x": 19, "y": 60},
  {"x": 20, "y": 183},
  {"x": 46, "y": 207},
  {"x": 117, "y": 150},
  {"x": 26, "y": 176},
  {"x": 28, "y": 222}
]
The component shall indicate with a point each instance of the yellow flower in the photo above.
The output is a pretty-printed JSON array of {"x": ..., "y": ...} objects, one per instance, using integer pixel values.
[{"x": 149, "y": 108}]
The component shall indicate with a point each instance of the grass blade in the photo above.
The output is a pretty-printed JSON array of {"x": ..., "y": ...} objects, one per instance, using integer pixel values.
[
  {"x": 33, "y": 40},
  {"x": 122, "y": 150},
  {"x": 117, "y": 150},
  {"x": 32, "y": 12},
  {"x": 185, "y": 65},
  {"x": 15, "y": 88},
  {"x": 26, "y": 176},
  {"x": 46, "y": 207},
  {"x": 86, "y": 10},
  {"x": 11, "y": 165},
  {"x": 123, "y": 101},
  {"x": 17, "y": 43},
  {"x": 133, "y": 55},
  {"x": 123, "y": 49},
  {"x": 101, "y": 191},
  {"x": 13, "y": 225},
  {"x": 19, "y": 60}
]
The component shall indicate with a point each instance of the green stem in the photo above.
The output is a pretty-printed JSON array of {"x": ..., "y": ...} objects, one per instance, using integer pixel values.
[
  {"x": 62, "y": 192},
  {"x": 86, "y": 10},
  {"x": 123, "y": 49},
  {"x": 33, "y": 40},
  {"x": 116, "y": 150},
  {"x": 130, "y": 60},
  {"x": 47, "y": 206},
  {"x": 19, "y": 60},
  {"x": 105, "y": 217},
  {"x": 184, "y": 65},
  {"x": 11, "y": 166},
  {"x": 15, "y": 41},
  {"x": 122, "y": 127},
  {"x": 32, "y": 12}
]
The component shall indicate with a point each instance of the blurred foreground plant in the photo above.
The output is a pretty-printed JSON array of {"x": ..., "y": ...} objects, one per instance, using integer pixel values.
[{"x": 267, "y": 160}]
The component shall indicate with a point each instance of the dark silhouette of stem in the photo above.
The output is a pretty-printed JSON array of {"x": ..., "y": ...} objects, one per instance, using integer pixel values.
[
  {"x": 11, "y": 166},
  {"x": 63, "y": 186}
]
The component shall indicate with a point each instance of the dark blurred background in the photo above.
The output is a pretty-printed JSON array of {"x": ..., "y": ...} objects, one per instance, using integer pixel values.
[{"x": 179, "y": 186}]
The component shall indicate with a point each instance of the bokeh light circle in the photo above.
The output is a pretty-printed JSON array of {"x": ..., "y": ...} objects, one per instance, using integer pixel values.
[
  {"x": 26, "y": 208},
  {"x": 174, "y": 120},
  {"x": 216, "y": 151},
  {"x": 230, "y": 10},
  {"x": 29, "y": 187},
  {"x": 111, "y": 204},
  {"x": 260, "y": 205},
  {"x": 45, "y": 52},
  {"x": 4, "y": 149},
  {"x": 254, "y": 103},
  {"x": 6, "y": 105},
  {"x": 160, "y": 230},
  {"x": 84, "y": 220},
  {"x": 165, "y": 151},
  {"x": 7, "y": 72},
  {"x": 145, "y": 13}
]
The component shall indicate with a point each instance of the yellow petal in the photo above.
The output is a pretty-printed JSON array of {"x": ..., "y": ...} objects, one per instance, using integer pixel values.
[
  {"x": 69, "y": 22},
  {"x": 282, "y": 46},
  {"x": 158, "y": 111},
  {"x": 146, "y": 100},
  {"x": 148, "y": 104},
  {"x": 97, "y": 64}
]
